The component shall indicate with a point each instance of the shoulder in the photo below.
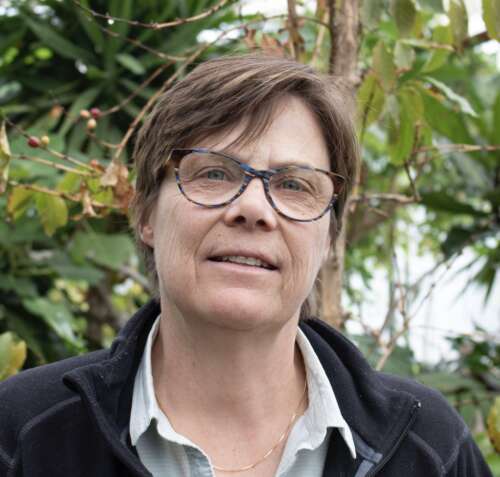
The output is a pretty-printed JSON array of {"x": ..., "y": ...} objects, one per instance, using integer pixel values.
[
  {"x": 33, "y": 393},
  {"x": 435, "y": 411},
  {"x": 438, "y": 430},
  {"x": 437, "y": 435}
]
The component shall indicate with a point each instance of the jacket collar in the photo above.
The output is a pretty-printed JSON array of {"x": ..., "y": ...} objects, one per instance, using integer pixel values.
[{"x": 378, "y": 415}]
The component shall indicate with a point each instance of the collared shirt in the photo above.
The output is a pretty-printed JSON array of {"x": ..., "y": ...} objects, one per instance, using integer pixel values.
[{"x": 165, "y": 452}]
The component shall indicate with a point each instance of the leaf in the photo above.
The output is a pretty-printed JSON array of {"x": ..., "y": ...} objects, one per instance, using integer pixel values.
[
  {"x": 383, "y": 66},
  {"x": 404, "y": 56},
  {"x": 52, "y": 210},
  {"x": 57, "y": 316},
  {"x": 69, "y": 183},
  {"x": 57, "y": 42},
  {"x": 459, "y": 22},
  {"x": 131, "y": 63},
  {"x": 111, "y": 251},
  {"x": 89, "y": 25},
  {"x": 443, "y": 202},
  {"x": 83, "y": 101},
  {"x": 447, "y": 383},
  {"x": 441, "y": 35},
  {"x": 5, "y": 158},
  {"x": 445, "y": 121},
  {"x": 68, "y": 270},
  {"x": 370, "y": 101},
  {"x": 371, "y": 13},
  {"x": 405, "y": 14},
  {"x": 493, "y": 422},
  {"x": 436, "y": 59},
  {"x": 459, "y": 238},
  {"x": 29, "y": 331},
  {"x": 9, "y": 91},
  {"x": 486, "y": 277},
  {"x": 426, "y": 45},
  {"x": 432, "y": 5},
  {"x": 20, "y": 285},
  {"x": 463, "y": 104},
  {"x": 491, "y": 17},
  {"x": 12, "y": 355},
  {"x": 19, "y": 201},
  {"x": 400, "y": 362},
  {"x": 120, "y": 9},
  {"x": 402, "y": 134},
  {"x": 496, "y": 119}
]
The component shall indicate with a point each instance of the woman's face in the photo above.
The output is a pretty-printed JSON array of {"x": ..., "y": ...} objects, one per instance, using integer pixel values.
[{"x": 185, "y": 237}]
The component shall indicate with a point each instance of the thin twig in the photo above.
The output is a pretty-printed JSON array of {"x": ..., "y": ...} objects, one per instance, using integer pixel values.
[
  {"x": 153, "y": 99},
  {"x": 319, "y": 38},
  {"x": 54, "y": 165},
  {"x": 458, "y": 148},
  {"x": 293, "y": 28},
  {"x": 65, "y": 157},
  {"x": 155, "y": 25},
  {"x": 143, "y": 85},
  {"x": 138, "y": 44},
  {"x": 136, "y": 276},
  {"x": 63, "y": 195},
  {"x": 399, "y": 198},
  {"x": 414, "y": 189}
]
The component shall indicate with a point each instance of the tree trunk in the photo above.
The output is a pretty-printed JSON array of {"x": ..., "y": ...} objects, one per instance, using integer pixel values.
[{"x": 344, "y": 24}]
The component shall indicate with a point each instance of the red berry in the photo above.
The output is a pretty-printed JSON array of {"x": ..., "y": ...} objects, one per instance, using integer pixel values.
[
  {"x": 33, "y": 141},
  {"x": 96, "y": 113}
]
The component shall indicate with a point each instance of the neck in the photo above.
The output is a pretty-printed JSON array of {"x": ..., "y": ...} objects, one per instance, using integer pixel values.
[{"x": 219, "y": 375}]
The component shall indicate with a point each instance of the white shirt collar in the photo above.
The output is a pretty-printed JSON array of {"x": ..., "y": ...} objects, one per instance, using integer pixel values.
[{"x": 322, "y": 413}]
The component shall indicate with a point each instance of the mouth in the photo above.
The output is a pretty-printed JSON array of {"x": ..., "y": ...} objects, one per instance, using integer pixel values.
[{"x": 245, "y": 261}]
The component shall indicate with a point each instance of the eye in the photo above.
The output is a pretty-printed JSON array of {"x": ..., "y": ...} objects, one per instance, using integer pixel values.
[
  {"x": 291, "y": 184},
  {"x": 216, "y": 174}
]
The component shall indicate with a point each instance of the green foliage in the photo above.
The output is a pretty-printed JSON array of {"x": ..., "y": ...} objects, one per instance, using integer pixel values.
[
  {"x": 491, "y": 16},
  {"x": 12, "y": 355},
  {"x": 63, "y": 260},
  {"x": 428, "y": 113}
]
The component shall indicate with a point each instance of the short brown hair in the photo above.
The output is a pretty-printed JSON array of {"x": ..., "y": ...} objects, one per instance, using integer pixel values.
[{"x": 215, "y": 97}]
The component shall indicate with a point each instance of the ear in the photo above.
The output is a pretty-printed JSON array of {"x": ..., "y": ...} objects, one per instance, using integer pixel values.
[
  {"x": 147, "y": 230},
  {"x": 147, "y": 235}
]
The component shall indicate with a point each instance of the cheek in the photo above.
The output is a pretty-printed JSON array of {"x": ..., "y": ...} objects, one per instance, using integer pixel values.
[
  {"x": 308, "y": 256},
  {"x": 173, "y": 240}
]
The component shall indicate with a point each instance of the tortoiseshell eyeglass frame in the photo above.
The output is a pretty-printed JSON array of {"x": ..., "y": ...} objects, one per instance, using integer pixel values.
[{"x": 176, "y": 155}]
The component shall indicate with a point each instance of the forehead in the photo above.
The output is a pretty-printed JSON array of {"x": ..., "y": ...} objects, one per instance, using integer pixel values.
[{"x": 293, "y": 136}]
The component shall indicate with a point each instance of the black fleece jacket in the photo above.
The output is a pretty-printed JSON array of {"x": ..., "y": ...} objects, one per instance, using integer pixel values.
[{"x": 71, "y": 418}]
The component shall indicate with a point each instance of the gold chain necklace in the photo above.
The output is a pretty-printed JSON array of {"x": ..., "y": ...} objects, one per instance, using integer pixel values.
[{"x": 280, "y": 440}]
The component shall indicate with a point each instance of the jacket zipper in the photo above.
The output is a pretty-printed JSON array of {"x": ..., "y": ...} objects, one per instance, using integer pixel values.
[{"x": 386, "y": 458}]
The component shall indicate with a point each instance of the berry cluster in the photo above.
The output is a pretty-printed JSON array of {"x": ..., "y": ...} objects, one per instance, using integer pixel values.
[{"x": 91, "y": 116}]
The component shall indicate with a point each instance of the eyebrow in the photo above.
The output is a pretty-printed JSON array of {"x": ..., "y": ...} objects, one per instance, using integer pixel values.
[{"x": 288, "y": 162}]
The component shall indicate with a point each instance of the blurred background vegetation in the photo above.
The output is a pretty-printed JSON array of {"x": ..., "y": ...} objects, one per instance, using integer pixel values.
[{"x": 78, "y": 77}]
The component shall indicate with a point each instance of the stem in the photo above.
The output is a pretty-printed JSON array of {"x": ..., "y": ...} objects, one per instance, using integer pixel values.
[
  {"x": 54, "y": 165},
  {"x": 156, "y": 26}
]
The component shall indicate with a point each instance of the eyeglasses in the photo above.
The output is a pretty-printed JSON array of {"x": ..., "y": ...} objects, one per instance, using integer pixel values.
[{"x": 214, "y": 179}]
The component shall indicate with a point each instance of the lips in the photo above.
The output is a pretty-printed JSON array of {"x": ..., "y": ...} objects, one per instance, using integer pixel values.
[{"x": 246, "y": 259}]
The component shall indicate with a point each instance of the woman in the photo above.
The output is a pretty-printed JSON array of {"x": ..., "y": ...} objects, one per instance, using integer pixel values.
[{"x": 243, "y": 170}]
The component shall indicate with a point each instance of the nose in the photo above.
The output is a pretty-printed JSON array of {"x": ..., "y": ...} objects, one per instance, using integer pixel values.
[{"x": 251, "y": 209}]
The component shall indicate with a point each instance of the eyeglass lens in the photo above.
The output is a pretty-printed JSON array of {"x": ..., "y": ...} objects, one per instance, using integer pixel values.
[{"x": 211, "y": 179}]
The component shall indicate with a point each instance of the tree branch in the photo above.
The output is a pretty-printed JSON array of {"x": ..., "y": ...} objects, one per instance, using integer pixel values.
[{"x": 155, "y": 25}]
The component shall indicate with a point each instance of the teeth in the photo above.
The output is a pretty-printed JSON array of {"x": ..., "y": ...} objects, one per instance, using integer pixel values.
[{"x": 255, "y": 262}]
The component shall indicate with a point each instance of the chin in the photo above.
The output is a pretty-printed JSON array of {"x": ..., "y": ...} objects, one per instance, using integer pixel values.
[{"x": 240, "y": 311}]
